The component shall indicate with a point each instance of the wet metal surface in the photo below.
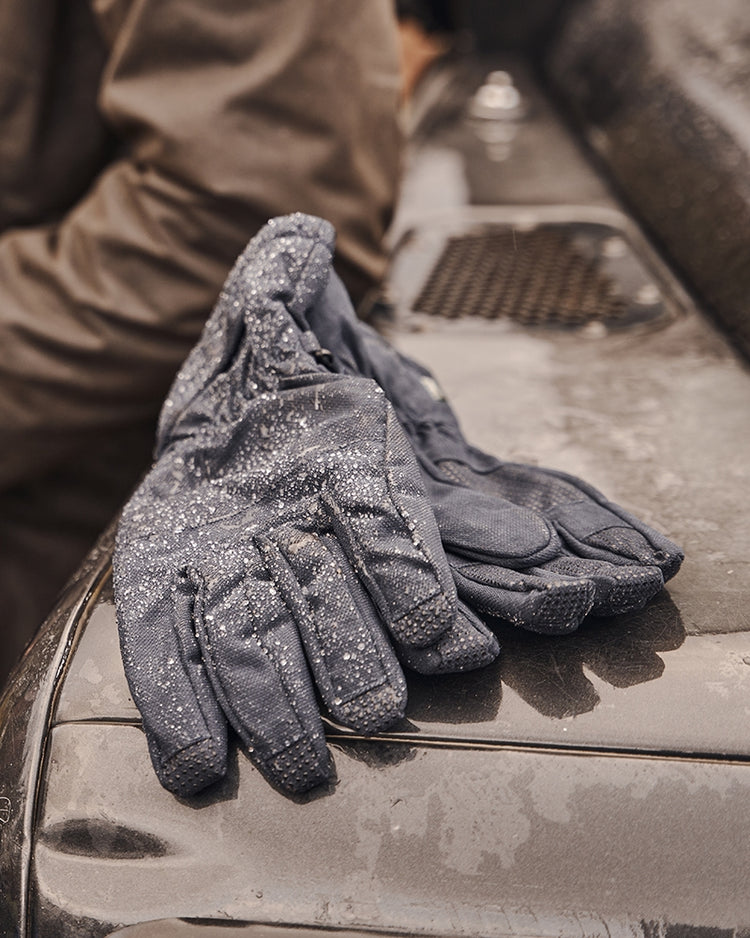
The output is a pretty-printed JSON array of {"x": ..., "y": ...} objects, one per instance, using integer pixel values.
[
  {"x": 412, "y": 838},
  {"x": 629, "y": 684}
]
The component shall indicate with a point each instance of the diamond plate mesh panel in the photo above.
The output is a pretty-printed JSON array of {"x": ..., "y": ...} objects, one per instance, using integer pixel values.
[{"x": 539, "y": 277}]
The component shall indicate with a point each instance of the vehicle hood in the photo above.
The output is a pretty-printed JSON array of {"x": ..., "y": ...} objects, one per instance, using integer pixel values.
[{"x": 636, "y": 683}]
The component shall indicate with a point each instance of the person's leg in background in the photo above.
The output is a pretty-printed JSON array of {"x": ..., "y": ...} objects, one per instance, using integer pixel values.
[{"x": 191, "y": 125}]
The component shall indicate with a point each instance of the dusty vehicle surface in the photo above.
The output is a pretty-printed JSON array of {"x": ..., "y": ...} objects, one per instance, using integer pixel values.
[{"x": 570, "y": 258}]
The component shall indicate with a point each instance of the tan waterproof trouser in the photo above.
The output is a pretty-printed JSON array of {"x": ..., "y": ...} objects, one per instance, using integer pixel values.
[{"x": 142, "y": 143}]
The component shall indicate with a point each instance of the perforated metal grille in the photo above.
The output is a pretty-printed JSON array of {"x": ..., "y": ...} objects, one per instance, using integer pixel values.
[{"x": 534, "y": 277}]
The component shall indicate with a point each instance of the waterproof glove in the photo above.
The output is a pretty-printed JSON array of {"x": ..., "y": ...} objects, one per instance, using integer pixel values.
[
  {"x": 281, "y": 545},
  {"x": 543, "y": 588}
]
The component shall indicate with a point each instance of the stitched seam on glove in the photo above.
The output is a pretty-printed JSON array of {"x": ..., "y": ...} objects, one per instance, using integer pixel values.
[
  {"x": 201, "y": 526},
  {"x": 402, "y": 512},
  {"x": 226, "y": 703},
  {"x": 196, "y": 597},
  {"x": 313, "y": 622},
  {"x": 314, "y": 249}
]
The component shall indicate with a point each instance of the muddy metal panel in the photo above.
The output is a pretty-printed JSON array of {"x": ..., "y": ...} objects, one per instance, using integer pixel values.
[
  {"x": 416, "y": 839},
  {"x": 26, "y": 708},
  {"x": 635, "y": 683}
]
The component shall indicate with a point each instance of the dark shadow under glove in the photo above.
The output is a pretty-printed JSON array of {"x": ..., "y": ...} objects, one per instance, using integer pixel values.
[
  {"x": 507, "y": 573},
  {"x": 281, "y": 544}
]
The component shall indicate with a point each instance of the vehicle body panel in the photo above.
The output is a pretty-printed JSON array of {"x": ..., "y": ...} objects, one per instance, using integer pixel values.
[{"x": 586, "y": 785}]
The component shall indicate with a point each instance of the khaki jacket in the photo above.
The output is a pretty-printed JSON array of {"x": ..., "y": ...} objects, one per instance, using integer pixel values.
[{"x": 142, "y": 142}]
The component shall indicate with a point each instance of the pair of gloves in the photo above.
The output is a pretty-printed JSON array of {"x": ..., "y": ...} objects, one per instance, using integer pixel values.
[{"x": 314, "y": 520}]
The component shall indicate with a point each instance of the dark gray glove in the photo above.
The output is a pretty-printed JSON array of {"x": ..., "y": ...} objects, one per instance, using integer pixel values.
[
  {"x": 511, "y": 573},
  {"x": 281, "y": 544}
]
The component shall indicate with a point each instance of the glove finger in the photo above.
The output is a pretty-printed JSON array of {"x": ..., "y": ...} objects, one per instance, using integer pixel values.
[
  {"x": 618, "y": 588},
  {"x": 354, "y": 666},
  {"x": 490, "y": 529},
  {"x": 184, "y": 725},
  {"x": 590, "y": 525},
  {"x": 385, "y": 525},
  {"x": 259, "y": 673},
  {"x": 468, "y": 644},
  {"x": 534, "y": 600},
  {"x": 610, "y": 533}
]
